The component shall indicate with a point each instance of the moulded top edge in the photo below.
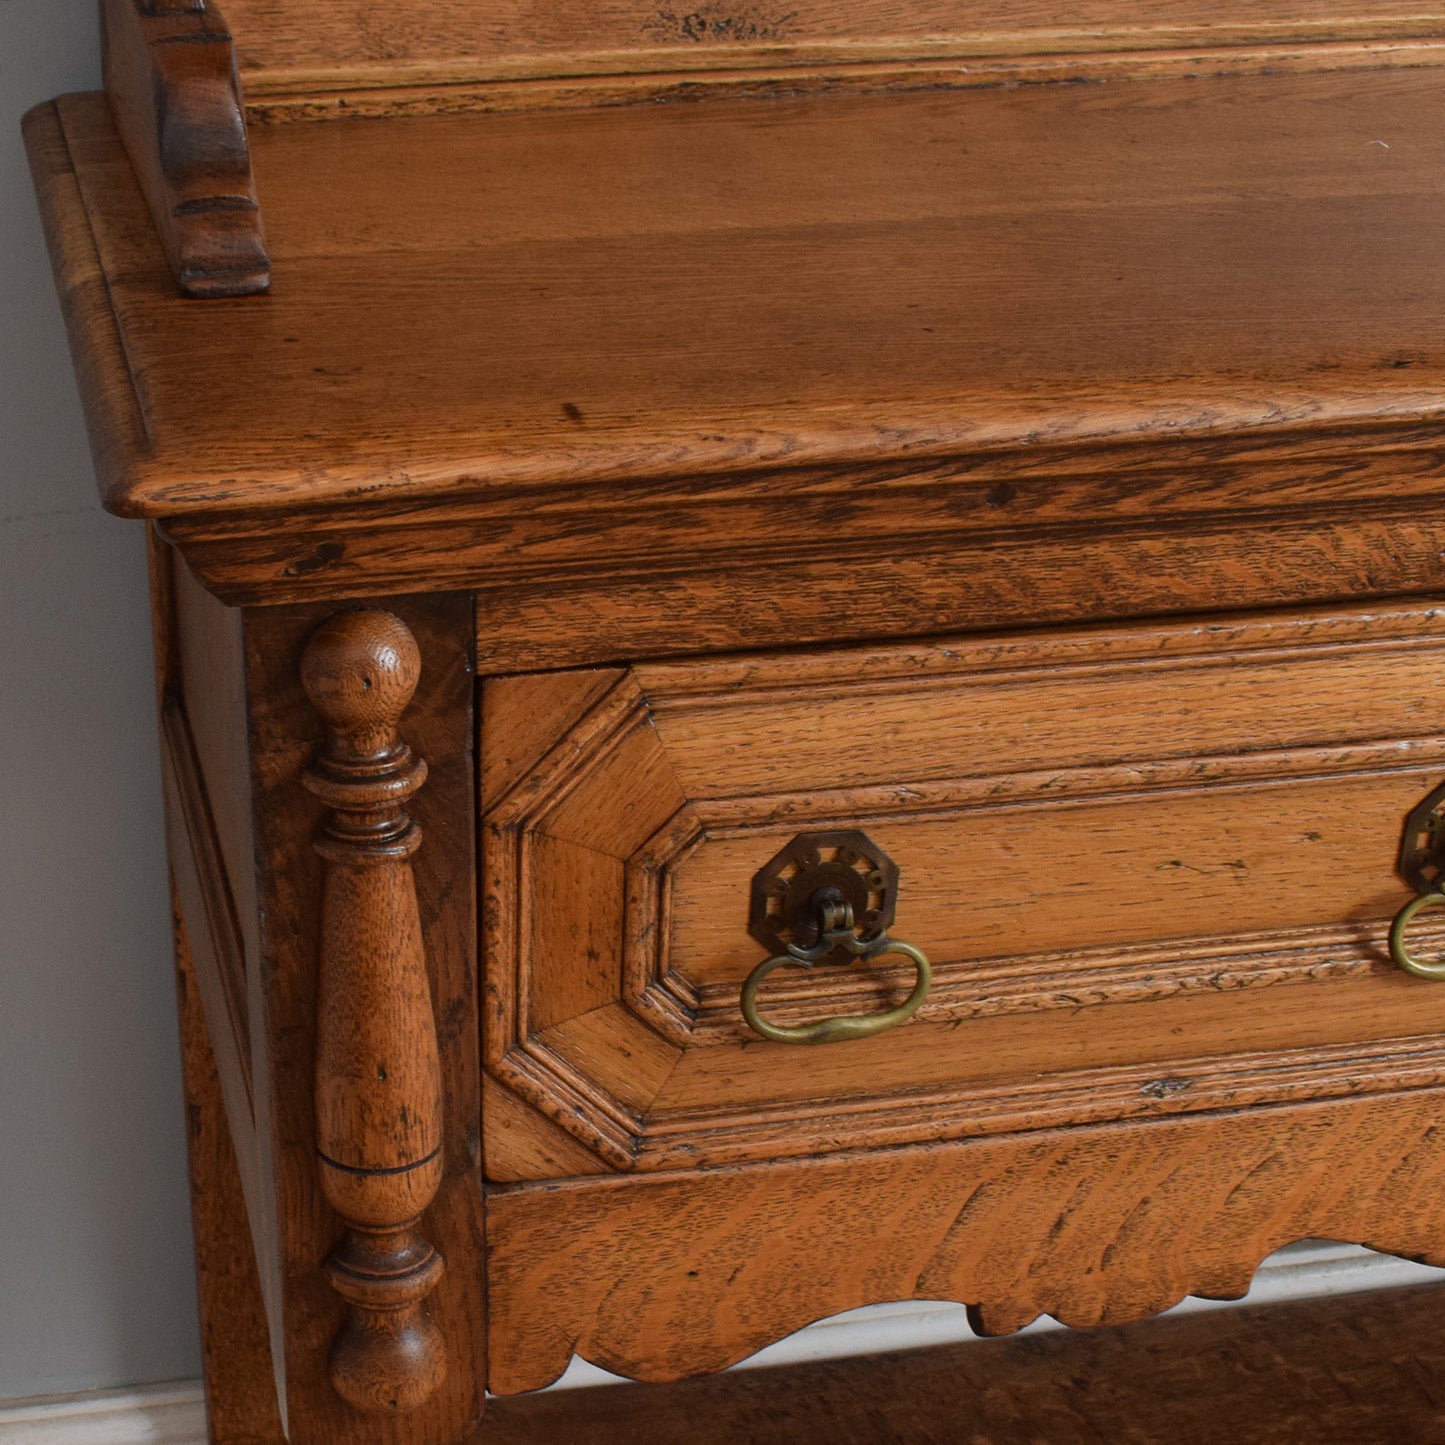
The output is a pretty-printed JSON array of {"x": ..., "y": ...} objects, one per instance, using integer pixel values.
[{"x": 469, "y": 302}]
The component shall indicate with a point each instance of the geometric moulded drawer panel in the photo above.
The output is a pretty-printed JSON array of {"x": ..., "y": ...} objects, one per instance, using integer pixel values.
[{"x": 1152, "y": 866}]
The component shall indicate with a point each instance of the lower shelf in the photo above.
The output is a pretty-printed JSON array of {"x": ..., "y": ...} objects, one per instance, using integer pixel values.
[{"x": 1349, "y": 1370}]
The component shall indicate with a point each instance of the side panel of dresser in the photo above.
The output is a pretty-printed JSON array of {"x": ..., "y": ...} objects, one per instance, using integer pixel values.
[
  {"x": 206, "y": 783},
  {"x": 239, "y": 727}
]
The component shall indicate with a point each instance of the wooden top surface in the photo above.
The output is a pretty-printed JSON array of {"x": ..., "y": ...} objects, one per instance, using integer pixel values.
[{"x": 667, "y": 289}]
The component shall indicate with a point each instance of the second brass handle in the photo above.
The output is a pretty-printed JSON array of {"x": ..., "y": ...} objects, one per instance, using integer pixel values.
[
  {"x": 1422, "y": 853},
  {"x": 848, "y": 1026},
  {"x": 1420, "y": 967}
]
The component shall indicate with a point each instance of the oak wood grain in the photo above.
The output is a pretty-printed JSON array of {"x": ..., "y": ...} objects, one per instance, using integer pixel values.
[
  {"x": 518, "y": 728},
  {"x": 378, "y": 1075},
  {"x": 114, "y": 421},
  {"x": 434, "y": 91},
  {"x": 207, "y": 785},
  {"x": 1172, "y": 260},
  {"x": 204, "y": 885},
  {"x": 642, "y": 531},
  {"x": 205, "y": 720},
  {"x": 1152, "y": 867},
  {"x": 286, "y": 732},
  {"x": 170, "y": 76},
  {"x": 1352, "y": 1370},
  {"x": 610, "y": 606},
  {"x": 343, "y": 49},
  {"x": 241, "y": 1382},
  {"x": 519, "y": 1143},
  {"x": 662, "y": 1277}
]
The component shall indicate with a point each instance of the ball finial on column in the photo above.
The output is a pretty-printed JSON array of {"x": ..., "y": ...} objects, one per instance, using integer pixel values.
[{"x": 360, "y": 670}]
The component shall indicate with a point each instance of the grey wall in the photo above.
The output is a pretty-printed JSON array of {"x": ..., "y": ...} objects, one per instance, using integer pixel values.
[{"x": 95, "y": 1271}]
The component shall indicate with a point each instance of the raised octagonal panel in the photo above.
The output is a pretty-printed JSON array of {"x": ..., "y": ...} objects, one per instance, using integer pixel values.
[{"x": 1098, "y": 877}]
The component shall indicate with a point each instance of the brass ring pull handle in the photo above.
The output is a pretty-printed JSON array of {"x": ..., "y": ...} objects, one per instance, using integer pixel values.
[
  {"x": 1420, "y": 967},
  {"x": 849, "y": 1026},
  {"x": 828, "y": 899},
  {"x": 1422, "y": 866}
]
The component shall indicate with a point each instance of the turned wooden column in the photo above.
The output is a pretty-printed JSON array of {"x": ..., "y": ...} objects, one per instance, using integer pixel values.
[{"x": 378, "y": 1078}]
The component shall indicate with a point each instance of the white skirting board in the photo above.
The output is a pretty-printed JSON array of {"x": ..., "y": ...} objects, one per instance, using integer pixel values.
[
  {"x": 150, "y": 1415},
  {"x": 175, "y": 1414}
]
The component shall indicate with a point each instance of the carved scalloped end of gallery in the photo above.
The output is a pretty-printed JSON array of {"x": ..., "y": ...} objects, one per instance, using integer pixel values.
[{"x": 175, "y": 94}]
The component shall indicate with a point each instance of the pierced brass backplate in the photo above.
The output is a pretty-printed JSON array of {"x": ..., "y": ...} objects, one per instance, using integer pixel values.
[
  {"x": 1422, "y": 851},
  {"x": 828, "y": 898},
  {"x": 848, "y": 866}
]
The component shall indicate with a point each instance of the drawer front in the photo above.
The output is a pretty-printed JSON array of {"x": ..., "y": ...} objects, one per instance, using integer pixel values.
[{"x": 1152, "y": 867}]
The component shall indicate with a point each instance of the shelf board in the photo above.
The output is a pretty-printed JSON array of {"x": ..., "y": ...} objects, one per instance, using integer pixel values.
[{"x": 1351, "y": 1370}]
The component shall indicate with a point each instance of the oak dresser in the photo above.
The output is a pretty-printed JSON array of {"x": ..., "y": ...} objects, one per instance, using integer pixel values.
[{"x": 801, "y": 660}]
